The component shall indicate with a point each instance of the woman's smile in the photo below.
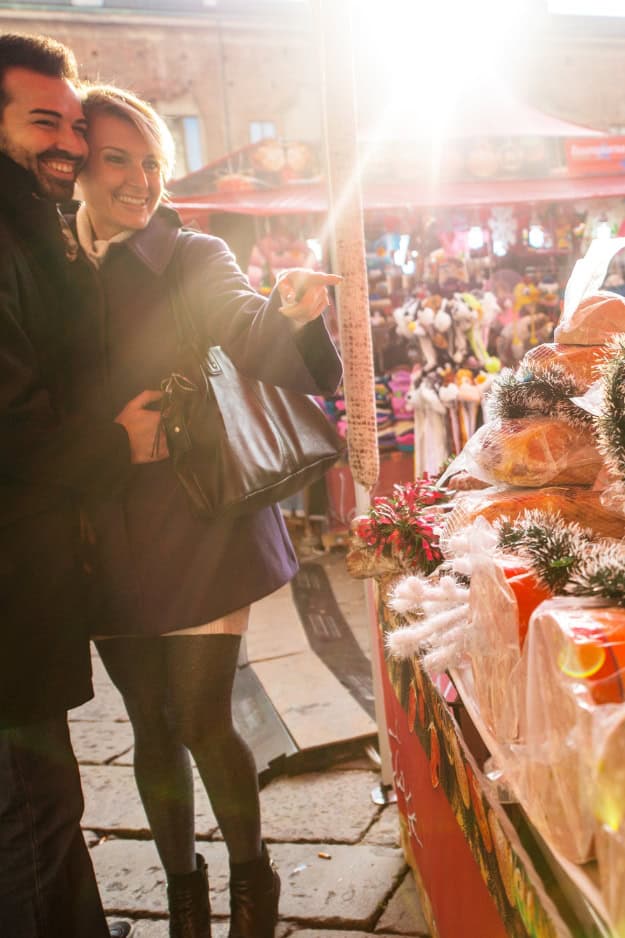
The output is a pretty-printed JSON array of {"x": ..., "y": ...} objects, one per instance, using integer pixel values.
[{"x": 122, "y": 179}]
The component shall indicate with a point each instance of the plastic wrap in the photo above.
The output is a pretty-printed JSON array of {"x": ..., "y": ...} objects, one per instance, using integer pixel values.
[
  {"x": 530, "y": 452},
  {"x": 586, "y": 280},
  {"x": 609, "y": 808},
  {"x": 597, "y": 318},
  {"x": 503, "y": 595},
  {"x": 572, "y": 659},
  {"x": 573, "y": 503},
  {"x": 578, "y": 362}
]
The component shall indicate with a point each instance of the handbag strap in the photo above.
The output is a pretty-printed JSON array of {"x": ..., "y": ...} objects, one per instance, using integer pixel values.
[
  {"x": 187, "y": 331},
  {"x": 189, "y": 337}
]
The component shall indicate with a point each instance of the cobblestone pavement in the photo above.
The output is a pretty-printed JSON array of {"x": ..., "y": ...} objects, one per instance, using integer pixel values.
[{"x": 343, "y": 872}]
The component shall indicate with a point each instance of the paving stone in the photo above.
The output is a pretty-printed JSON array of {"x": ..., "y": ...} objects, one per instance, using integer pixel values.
[
  {"x": 160, "y": 929},
  {"x": 350, "y": 596},
  {"x": 100, "y": 674},
  {"x": 106, "y": 706},
  {"x": 132, "y": 881},
  {"x": 345, "y": 890},
  {"x": 385, "y": 831},
  {"x": 332, "y": 806},
  {"x": 91, "y": 838},
  {"x": 112, "y": 802},
  {"x": 333, "y": 934},
  {"x": 96, "y": 745},
  {"x": 263, "y": 639},
  {"x": 403, "y": 915},
  {"x": 314, "y": 706}
]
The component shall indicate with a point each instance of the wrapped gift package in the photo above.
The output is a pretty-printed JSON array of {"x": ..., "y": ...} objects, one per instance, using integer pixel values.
[
  {"x": 503, "y": 595},
  {"x": 573, "y": 657},
  {"x": 533, "y": 451}
]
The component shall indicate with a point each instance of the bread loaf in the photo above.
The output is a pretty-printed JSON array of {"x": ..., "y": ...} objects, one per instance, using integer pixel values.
[
  {"x": 535, "y": 451},
  {"x": 573, "y": 503},
  {"x": 594, "y": 322},
  {"x": 579, "y": 362}
]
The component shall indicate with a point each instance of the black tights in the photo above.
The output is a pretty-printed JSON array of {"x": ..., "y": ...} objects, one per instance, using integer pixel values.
[{"x": 177, "y": 690}]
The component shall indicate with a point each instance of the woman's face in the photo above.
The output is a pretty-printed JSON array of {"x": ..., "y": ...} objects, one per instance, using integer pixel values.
[{"x": 121, "y": 182}]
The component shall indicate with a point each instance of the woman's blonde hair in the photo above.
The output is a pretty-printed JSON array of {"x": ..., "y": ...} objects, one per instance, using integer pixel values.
[{"x": 107, "y": 99}]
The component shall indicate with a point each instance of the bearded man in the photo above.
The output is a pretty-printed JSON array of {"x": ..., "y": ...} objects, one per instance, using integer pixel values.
[{"x": 49, "y": 456}]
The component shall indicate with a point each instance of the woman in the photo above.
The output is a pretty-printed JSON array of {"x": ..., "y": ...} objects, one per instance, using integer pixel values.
[{"x": 176, "y": 590}]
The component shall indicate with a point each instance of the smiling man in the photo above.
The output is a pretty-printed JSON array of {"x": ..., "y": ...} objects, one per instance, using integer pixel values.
[{"x": 48, "y": 456}]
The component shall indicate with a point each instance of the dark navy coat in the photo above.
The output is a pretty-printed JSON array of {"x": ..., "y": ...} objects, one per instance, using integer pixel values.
[{"x": 157, "y": 567}]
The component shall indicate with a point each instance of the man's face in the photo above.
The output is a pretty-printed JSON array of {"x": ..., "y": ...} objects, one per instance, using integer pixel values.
[{"x": 43, "y": 129}]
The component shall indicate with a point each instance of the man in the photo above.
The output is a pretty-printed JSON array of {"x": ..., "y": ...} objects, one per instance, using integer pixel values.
[{"x": 47, "y": 459}]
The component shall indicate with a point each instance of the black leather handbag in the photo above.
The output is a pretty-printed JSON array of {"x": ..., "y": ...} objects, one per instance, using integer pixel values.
[{"x": 237, "y": 444}]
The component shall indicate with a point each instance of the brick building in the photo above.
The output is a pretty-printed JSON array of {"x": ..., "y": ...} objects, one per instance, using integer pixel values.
[{"x": 227, "y": 72}]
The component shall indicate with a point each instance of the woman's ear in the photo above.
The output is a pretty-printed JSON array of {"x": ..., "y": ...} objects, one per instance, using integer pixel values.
[{"x": 78, "y": 193}]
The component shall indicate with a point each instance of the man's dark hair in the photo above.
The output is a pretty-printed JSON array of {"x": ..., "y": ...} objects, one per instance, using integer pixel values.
[{"x": 37, "y": 53}]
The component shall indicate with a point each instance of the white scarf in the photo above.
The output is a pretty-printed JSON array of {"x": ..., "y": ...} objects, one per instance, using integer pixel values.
[{"x": 95, "y": 250}]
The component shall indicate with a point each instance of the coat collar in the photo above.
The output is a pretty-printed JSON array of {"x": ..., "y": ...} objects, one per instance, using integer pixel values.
[
  {"x": 154, "y": 245},
  {"x": 19, "y": 199}
]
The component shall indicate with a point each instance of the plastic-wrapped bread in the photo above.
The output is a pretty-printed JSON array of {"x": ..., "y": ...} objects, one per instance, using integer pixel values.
[
  {"x": 578, "y": 362},
  {"x": 597, "y": 318},
  {"x": 572, "y": 660},
  {"x": 573, "y": 503},
  {"x": 531, "y": 452},
  {"x": 609, "y": 806},
  {"x": 503, "y": 595}
]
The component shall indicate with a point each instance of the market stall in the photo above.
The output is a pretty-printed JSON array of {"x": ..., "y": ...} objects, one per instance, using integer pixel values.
[
  {"x": 502, "y": 637},
  {"x": 464, "y": 275}
]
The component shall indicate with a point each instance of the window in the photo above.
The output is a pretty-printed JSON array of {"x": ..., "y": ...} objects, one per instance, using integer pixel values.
[
  {"x": 261, "y": 130},
  {"x": 187, "y": 133}
]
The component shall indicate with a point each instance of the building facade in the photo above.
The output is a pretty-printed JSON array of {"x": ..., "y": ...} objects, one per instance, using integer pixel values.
[{"x": 225, "y": 73}]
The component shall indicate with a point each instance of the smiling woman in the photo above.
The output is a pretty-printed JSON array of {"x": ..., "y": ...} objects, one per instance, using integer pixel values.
[{"x": 130, "y": 156}]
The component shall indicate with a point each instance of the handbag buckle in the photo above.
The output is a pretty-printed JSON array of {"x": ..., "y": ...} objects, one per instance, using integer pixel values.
[{"x": 212, "y": 363}]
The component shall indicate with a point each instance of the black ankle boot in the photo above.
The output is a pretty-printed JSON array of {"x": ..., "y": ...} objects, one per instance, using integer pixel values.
[
  {"x": 254, "y": 896},
  {"x": 189, "y": 905}
]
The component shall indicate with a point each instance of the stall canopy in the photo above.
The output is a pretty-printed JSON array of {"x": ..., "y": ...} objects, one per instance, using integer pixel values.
[
  {"x": 495, "y": 116},
  {"x": 312, "y": 197}
]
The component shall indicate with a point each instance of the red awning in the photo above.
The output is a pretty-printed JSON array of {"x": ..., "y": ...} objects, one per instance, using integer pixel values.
[{"x": 306, "y": 198}]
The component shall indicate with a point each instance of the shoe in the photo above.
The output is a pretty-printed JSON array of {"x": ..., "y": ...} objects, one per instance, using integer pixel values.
[
  {"x": 189, "y": 905},
  {"x": 254, "y": 897},
  {"x": 120, "y": 929}
]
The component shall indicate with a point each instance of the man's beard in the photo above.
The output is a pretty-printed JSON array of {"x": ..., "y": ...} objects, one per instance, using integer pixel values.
[{"x": 48, "y": 187}]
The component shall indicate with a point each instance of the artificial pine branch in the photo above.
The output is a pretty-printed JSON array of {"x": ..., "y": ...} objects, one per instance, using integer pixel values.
[
  {"x": 601, "y": 573},
  {"x": 554, "y": 547},
  {"x": 611, "y": 424},
  {"x": 546, "y": 393}
]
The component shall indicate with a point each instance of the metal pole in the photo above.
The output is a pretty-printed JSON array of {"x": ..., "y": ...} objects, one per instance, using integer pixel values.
[{"x": 346, "y": 234}]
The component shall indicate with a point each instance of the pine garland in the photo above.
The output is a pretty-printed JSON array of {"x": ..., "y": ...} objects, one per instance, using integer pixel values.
[
  {"x": 544, "y": 393},
  {"x": 611, "y": 424},
  {"x": 555, "y": 548},
  {"x": 601, "y": 573}
]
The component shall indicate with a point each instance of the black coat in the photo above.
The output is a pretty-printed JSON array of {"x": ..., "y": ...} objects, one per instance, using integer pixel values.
[
  {"x": 160, "y": 568},
  {"x": 48, "y": 457}
]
